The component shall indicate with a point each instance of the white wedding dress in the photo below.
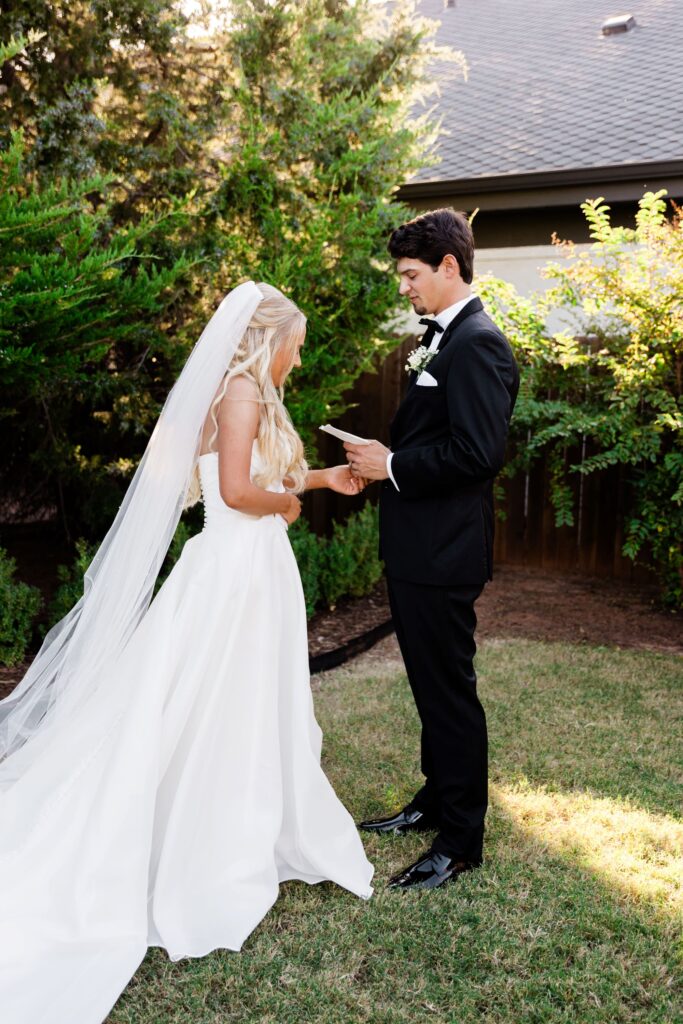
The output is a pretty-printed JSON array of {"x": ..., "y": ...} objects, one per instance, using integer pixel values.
[{"x": 176, "y": 801}]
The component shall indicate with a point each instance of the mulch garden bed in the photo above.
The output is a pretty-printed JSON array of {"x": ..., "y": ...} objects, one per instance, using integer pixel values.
[{"x": 535, "y": 604}]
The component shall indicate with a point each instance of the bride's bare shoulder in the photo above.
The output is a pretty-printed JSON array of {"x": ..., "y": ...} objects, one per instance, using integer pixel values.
[
  {"x": 234, "y": 410},
  {"x": 242, "y": 388}
]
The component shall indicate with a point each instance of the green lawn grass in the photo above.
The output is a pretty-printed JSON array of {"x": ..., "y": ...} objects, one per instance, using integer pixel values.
[{"x": 575, "y": 916}]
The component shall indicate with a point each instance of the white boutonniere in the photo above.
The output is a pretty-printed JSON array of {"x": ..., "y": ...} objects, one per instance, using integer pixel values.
[{"x": 419, "y": 359}]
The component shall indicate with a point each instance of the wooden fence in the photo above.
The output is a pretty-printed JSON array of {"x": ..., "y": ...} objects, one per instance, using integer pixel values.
[{"x": 527, "y": 535}]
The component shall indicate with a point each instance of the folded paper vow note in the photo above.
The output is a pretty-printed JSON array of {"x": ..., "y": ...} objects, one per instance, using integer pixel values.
[{"x": 343, "y": 435}]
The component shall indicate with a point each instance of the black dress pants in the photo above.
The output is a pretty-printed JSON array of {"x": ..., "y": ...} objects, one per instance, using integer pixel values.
[{"x": 435, "y": 630}]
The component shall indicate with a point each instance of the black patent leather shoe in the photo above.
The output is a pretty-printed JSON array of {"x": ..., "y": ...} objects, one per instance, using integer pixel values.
[
  {"x": 430, "y": 871},
  {"x": 400, "y": 824}
]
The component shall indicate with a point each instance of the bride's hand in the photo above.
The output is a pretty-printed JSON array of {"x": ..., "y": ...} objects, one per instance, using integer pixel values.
[
  {"x": 293, "y": 509},
  {"x": 342, "y": 480}
]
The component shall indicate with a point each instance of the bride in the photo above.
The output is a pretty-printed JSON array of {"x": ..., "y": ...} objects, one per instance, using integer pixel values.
[{"x": 160, "y": 762}]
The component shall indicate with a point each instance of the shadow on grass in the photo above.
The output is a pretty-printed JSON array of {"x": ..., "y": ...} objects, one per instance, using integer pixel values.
[{"x": 584, "y": 719}]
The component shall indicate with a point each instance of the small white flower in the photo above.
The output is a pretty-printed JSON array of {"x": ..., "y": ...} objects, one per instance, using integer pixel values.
[{"x": 418, "y": 359}]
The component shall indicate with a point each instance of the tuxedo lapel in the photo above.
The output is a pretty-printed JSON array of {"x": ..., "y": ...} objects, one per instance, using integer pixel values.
[{"x": 474, "y": 306}]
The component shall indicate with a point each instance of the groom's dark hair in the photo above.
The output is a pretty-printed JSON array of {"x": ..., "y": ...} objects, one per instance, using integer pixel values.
[{"x": 434, "y": 235}]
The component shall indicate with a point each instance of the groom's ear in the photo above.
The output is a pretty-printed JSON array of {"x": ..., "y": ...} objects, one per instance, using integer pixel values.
[{"x": 450, "y": 266}]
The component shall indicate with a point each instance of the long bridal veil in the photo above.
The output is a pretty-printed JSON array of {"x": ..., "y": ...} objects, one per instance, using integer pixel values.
[{"x": 119, "y": 583}]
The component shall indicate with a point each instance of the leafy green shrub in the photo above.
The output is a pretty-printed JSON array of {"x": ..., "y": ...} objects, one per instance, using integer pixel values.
[
  {"x": 71, "y": 576},
  {"x": 70, "y": 589},
  {"x": 310, "y": 553},
  {"x": 612, "y": 386},
  {"x": 352, "y": 565},
  {"x": 19, "y": 605},
  {"x": 345, "y": 565}
]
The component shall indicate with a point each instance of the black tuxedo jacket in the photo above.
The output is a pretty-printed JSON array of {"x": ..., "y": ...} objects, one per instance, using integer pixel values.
[{"x": 449, "y": 444}]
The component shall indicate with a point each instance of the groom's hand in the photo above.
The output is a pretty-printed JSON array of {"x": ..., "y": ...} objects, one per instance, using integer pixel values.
[{"x": 367, "y": 460}]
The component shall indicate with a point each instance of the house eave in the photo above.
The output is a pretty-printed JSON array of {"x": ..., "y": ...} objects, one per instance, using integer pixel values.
[{"x": 561, "y": 187}]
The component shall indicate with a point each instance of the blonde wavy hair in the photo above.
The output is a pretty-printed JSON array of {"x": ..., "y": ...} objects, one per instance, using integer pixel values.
[{"x": 278, "y": 324}]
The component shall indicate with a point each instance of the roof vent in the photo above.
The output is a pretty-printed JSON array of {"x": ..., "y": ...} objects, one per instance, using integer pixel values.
[{"x": 619, "y": 23}]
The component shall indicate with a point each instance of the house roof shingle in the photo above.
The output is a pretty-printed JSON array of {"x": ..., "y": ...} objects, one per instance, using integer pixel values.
[{"x": 547, "y": 91}]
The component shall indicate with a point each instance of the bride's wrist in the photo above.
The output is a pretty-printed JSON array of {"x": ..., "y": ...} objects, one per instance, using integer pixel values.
[{"x": 316, "y": 478}]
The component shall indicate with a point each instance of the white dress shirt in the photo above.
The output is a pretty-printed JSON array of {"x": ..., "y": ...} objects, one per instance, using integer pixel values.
[{"x": 444, "y": 318}]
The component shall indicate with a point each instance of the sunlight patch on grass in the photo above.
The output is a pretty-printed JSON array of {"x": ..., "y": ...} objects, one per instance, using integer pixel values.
[{"x": 635, "y": 851}]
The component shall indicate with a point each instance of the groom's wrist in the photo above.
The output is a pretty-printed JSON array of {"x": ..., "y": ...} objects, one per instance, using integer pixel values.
[{"x": 390, "y": 475}]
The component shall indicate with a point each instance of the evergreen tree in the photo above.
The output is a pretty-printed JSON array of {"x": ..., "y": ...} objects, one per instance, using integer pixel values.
[
  {"x": 319, "y": 96},
  {"x": 82, "y": 308},
  {"x": 160, "y": 169}
]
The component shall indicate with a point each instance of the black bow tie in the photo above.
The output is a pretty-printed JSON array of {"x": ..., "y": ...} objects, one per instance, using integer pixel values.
[
  {"x": 433, "y": 327},
  {"x": 434, "y": 324}
]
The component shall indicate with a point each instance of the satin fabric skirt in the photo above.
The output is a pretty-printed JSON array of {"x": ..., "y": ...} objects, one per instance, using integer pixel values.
[{"x": 176, "y": 801}]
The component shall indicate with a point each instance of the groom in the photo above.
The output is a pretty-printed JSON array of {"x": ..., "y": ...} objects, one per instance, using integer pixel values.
[{"x": 436, "y": 532}]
